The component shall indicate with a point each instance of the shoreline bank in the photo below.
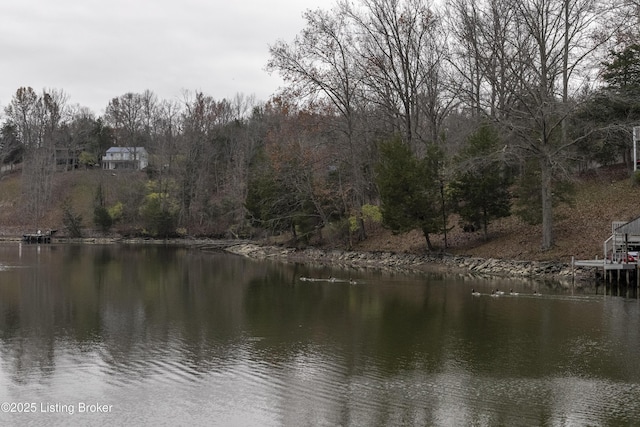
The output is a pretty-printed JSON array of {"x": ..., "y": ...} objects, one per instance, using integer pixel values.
[{"x": 561, "y": 273}]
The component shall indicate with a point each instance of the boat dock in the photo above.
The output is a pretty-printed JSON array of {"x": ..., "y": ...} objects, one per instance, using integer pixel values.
[
  {"x": 620, "y": 262},
  {"x": 38, "y": 237}
]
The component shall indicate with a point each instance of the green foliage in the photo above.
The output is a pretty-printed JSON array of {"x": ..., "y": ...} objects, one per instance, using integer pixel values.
[
  {"x": 353, "y": 224},
  {"x": 480, "y": 192},
  {"x": 369, "y": 213},
  {"x": 275, "y": 202},
  {"x": 268, "y": 202},
  {"x": 159, "y": 218},
  {"x": 305, "y": 222},
  {"x": 409, "y": 189},
  {"x": 607, "y": 118},
  {"x": 102, "y": 219},
  {"x": 636, "y": 177},
  {"x": 623, "y": 68},
  {"x": 87, "y": 159},
  {"x": 71, "y": 220},
  {"x": 116, "y": 212}
]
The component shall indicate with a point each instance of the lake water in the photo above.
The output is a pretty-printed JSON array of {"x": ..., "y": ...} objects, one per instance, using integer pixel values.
[{"x": 153, "y": 335}]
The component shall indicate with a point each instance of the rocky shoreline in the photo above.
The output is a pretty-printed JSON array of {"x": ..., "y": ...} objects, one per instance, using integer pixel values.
[{"x": 562, "y": 273}]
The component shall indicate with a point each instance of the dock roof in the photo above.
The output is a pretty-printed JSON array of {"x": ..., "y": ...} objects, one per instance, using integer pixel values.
[{"x": 632, "y": 227}]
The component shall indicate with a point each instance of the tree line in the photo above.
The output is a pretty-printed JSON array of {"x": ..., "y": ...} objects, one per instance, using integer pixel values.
[{"x": 402, "y": 111}]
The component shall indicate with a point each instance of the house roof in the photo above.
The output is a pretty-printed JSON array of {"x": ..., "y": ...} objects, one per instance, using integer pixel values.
[{"x": 125, "y": 149}]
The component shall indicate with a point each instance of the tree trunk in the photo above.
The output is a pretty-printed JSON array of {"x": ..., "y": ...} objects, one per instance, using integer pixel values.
[
  {"x": 485, "y": 224},
  {"x": 426, "y": 236},
  {"x": 362, "y": 231},
  {"x": 547, "y": 203}
]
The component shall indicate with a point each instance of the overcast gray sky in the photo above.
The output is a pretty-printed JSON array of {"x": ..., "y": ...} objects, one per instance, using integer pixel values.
[{"x": 97, "y": 50}]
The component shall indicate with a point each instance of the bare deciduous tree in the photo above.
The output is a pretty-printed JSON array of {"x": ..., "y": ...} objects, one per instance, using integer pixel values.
[
  {"x": 543, "y": 49},
  {"x": 321, "y": 67},
  {"x": 400, "y": 52},
  {"x": 38, "y": 120}
]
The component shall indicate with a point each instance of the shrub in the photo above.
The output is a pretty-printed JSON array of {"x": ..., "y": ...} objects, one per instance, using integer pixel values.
[
  {"x": 71, "y": 220},
  {"x": 158, "y": 219},
  {"x": 116, "y": 212},
  {"x": 371, "y": 214},
  {"x": 102, "y": 219}
]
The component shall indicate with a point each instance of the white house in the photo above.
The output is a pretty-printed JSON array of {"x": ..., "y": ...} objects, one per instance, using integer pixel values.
[{"x": 125, "y": 158}]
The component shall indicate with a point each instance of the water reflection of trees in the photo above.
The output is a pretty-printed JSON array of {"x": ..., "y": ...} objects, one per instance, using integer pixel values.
[
  {"x": 149, "y": 311},
  {"x": 389, "y": 327},
  {"x": 130, "y": 305}
]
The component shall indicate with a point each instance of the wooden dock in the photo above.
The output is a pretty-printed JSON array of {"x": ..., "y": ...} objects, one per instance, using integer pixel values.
[
  {"x": 618, "y": 278},
  {"x": 620, "y": 264},
  {"x": 38, "y": 237}
]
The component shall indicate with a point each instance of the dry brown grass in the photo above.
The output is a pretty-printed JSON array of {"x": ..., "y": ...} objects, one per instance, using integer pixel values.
[
  {"x": 602, "y": 197},
  {"x": 77, "y": 187}
]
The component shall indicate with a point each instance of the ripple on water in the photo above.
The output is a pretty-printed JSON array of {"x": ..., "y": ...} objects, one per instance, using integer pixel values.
[
  {"x": 309, "y": 386},
  {"x": 589, "y": 401}
]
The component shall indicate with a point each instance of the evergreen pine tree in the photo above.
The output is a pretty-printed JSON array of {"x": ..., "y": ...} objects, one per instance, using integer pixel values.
[
  {"x": 408, "y": 189},
  {"x": 480, "y": 192}
]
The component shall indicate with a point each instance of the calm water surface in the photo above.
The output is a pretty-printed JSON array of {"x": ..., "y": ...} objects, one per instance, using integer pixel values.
[{"x": 149, "y": 335}]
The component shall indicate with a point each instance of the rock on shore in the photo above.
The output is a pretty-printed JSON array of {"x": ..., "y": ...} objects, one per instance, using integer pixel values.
[{"x": 560, "y": 272}]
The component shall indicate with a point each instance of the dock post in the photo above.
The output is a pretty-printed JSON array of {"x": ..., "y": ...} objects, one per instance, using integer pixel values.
[{"x": 628, "y": 282}]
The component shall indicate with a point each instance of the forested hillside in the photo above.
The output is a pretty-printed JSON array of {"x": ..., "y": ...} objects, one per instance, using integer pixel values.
[
  {"x": 602, "y": 196},
  {"x": 500, "y": 118}
]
